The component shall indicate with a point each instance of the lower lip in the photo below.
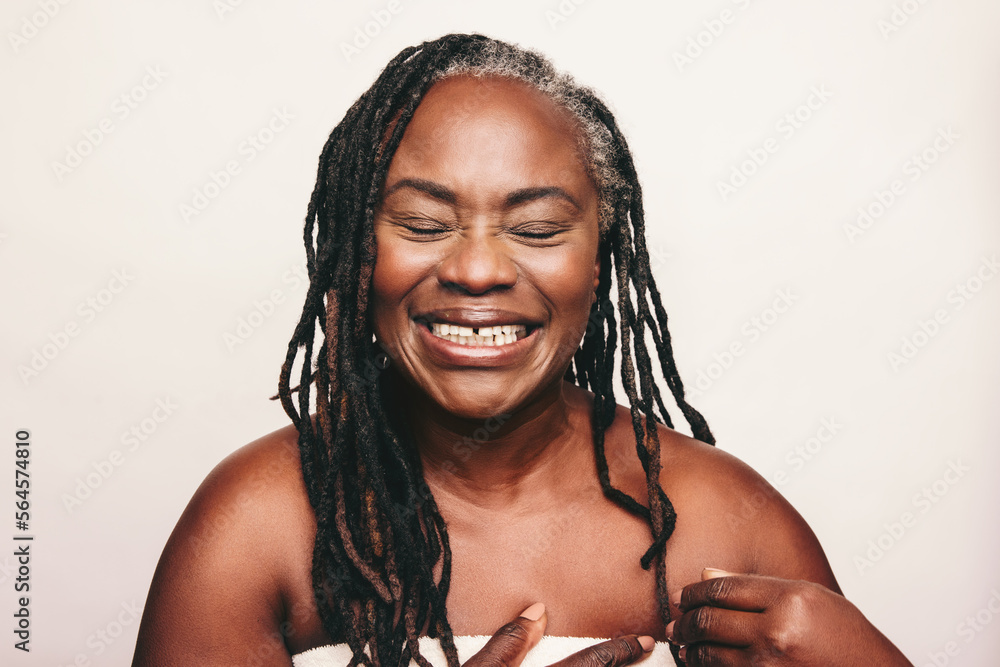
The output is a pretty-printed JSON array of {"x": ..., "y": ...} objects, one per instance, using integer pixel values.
[{"x": 476, "y": 356}]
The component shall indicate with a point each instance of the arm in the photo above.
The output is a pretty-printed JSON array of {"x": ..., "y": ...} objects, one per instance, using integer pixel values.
[{"x": 216, "y": 595}]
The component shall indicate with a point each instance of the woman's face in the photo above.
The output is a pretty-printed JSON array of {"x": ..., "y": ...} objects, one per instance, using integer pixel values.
[{"x": 488, "y": 222}]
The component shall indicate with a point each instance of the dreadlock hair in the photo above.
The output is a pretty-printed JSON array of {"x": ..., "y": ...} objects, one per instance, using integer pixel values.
[{"x": 380, "y": 535}]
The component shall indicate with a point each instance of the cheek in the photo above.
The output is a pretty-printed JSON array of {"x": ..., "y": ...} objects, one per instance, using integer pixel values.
[
  {"x": 395, "y": 274},
  {"x": 572, "y": 281},
  {"x": 567, "y": 282}
]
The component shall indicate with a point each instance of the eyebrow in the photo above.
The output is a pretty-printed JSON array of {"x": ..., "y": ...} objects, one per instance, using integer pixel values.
[
  {"x": 512, "y": 200},
  {"x": 525, "y": 195},
  {"x": 431, "y": 188}
]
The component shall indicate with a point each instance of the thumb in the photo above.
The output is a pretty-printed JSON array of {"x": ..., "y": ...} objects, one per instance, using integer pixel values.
[
  {"x": 715, "y": 573},
  {"x": 511, "y": 643}
]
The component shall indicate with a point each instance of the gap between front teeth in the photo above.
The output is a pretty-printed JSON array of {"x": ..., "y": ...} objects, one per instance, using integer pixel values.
[{"x": 480, "y": 336}]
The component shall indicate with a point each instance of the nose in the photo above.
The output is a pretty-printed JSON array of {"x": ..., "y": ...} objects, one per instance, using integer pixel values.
[{"x": 477, "y": 264}]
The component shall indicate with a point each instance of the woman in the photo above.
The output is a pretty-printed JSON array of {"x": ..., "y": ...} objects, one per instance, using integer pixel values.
[{"x": 467, "y": 459}]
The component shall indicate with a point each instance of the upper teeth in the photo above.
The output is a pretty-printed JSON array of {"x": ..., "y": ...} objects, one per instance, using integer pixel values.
[{"x": 495, "y": 335}]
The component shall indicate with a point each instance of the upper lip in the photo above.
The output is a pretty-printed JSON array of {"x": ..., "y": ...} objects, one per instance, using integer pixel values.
[{"x": 476, "y": 317}]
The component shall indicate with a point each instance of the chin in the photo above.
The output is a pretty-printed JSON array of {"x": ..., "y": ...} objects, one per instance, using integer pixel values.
[
  {"x": 479, "y": 405},
  {"x": 475, "y": 402}
]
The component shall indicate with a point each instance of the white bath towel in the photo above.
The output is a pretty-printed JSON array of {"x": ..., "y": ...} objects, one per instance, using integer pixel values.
[{"x": 546, "y": 652}]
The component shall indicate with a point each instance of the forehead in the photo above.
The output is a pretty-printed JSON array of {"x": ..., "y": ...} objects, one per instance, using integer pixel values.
[
  {"x": 465, "y": 96},
  {"x": 470, "y": 127}
]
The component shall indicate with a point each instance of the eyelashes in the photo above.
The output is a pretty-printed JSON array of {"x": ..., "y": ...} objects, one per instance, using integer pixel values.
[{"x": 533, "y": 231}]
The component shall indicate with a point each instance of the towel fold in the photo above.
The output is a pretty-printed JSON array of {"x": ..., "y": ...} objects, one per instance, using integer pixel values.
[{"x": 547, "y": 651}]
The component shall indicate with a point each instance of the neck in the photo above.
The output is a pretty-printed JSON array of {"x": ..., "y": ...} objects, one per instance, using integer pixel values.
[{"x": 500, "y": 459}]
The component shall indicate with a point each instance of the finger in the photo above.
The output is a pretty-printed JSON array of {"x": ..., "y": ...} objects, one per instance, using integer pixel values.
[
  {"x": 511, "y": 643},
  {"x": 613, "y": 653},
  {"x": 711, "y": 655},
  {"x": 716, "y": 625},
  {"x": 715, "y": 573},
  {"x": 706, "y": 574},
  {"x": 744, "y": 592}
]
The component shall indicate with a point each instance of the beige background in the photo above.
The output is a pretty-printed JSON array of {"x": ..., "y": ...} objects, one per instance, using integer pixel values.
[{"x": 221, "y": 77}]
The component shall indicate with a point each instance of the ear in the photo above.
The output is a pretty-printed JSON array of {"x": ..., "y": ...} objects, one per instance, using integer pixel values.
[{"x": 597, "y": 272}]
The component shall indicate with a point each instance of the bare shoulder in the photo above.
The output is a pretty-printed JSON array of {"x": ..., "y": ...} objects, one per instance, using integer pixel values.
[
  {"x": 253, "y": 493},
  {"x": 221, "y": 586},
  {"x": 257, "y": 487},
  {"x": 729, "y": 516}
]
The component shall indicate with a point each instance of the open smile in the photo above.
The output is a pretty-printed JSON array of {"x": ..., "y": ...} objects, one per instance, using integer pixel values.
[
  {"x": 489, "y": 336},
  {"x": 479, "y": 338}
]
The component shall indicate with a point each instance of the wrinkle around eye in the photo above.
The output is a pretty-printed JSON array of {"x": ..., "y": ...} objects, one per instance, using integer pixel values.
[
  {"x": 419, "y": 226},
  {"x": 538, "y": 231}
]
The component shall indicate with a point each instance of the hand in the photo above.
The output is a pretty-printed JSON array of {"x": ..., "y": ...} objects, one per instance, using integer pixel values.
[
  {"x": 742, "y": 620},
  {"x": 511, "y": 643}
]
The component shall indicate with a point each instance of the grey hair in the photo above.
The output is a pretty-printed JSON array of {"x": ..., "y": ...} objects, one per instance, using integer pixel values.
[{"x": 500, "y": 59}]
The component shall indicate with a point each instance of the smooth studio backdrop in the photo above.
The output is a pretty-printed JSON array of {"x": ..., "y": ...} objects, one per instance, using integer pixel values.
[{"x": 822, "y": 201}]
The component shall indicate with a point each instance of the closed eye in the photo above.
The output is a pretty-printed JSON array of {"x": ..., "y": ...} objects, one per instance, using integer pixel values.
[
  {"x": 537, "y": 231},
  {"x": 425, "y": 231},
  {"x": 422, "y": 226},
  {"x": 536, "y": 235}
]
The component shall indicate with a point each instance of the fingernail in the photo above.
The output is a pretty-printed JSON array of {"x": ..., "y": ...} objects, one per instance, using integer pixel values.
[
  {"x": 670, "y": 632},
  {"x": 647, "y": 643},
  {"x": 675, "y": 598},
  {"x": 682, "y": 654},
  {"x": 714, "y": 572},
  {"x": 534, "y": 612}
]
